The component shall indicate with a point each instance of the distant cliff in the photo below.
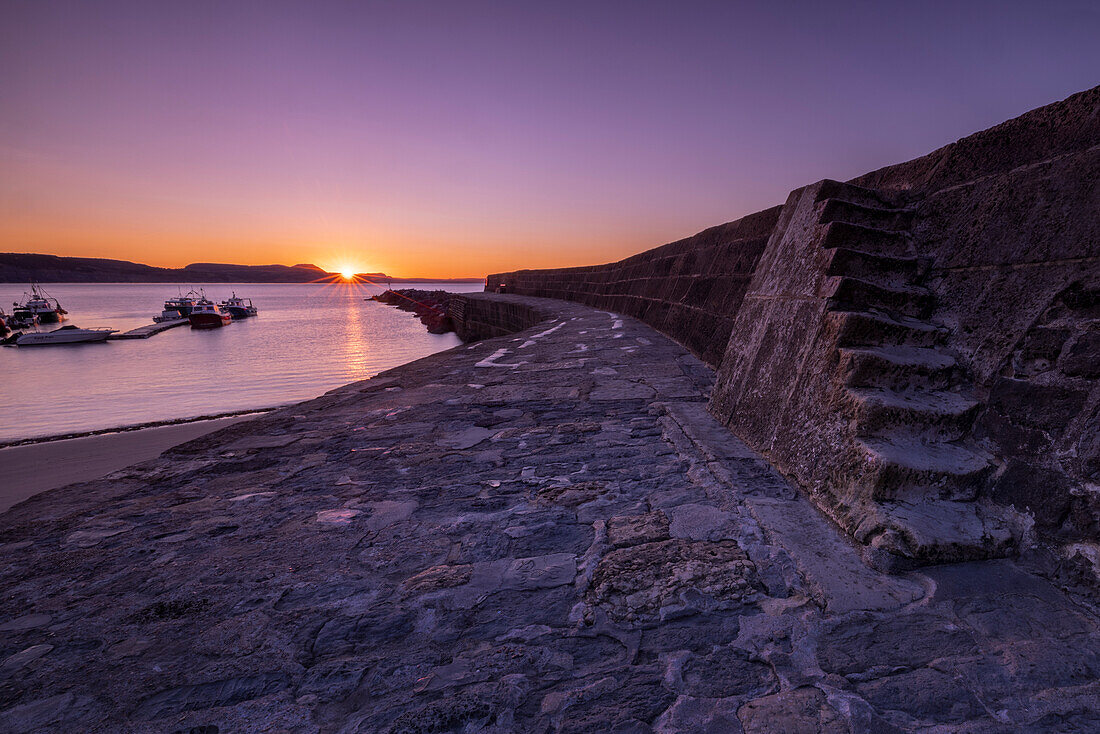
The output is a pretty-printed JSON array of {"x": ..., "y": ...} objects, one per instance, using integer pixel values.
[{"x": 24, "y": 267}]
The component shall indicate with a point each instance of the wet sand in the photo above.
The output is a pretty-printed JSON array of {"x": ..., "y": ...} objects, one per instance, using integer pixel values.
[{"x": 33, "y": 468}]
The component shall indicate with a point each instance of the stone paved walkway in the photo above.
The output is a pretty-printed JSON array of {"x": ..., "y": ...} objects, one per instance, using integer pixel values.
[{"x": 539, "y": 533}]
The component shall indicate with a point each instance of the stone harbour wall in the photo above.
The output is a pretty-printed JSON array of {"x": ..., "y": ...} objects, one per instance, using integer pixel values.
[
  {"x": 917, "y": 347},
  {"x": 690, "y": 289},
  {"x": 541, "y": 532},
  {"x": 475, "y": 317}
]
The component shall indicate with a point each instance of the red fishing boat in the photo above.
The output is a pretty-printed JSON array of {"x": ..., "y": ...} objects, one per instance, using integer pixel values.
[{"x": 208, "y": 315}]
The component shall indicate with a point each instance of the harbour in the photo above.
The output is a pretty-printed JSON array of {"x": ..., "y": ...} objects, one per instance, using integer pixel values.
[{"x": 306, "y": 339}]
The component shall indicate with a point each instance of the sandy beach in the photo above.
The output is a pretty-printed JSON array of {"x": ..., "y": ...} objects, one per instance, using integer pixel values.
[{"x": 35, "y": 468}]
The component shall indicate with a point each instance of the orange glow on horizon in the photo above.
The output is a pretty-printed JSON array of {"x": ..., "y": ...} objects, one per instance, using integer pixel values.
[{"x": 420, "y": 253}]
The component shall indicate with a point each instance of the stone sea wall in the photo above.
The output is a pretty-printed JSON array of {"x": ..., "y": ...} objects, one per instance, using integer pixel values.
[
  {"x": 475, "y": 318},
  {"x": 918, "y": 347},
  {"x": 690, "y": 289},
  {"x": 542, "y": 532}
]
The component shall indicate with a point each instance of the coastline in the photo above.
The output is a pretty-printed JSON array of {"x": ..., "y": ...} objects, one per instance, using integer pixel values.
[
  {"x": 139, "y": 426},
  {"x": 33, "y": 468}
]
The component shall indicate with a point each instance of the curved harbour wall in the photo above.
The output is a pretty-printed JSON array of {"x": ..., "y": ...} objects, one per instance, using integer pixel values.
[
  {"x": 917, "y": 347},
  {"x": 690, "y": 289}
]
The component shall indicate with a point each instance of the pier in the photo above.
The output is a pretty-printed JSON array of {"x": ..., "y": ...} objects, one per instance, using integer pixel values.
[
  {"x": 144, "y": 332},
  {"x": 543, "y": 531}
]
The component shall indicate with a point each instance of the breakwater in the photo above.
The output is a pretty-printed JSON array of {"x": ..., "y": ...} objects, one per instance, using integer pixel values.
[
  {"x": 917, "y": 347},
  {"x": 541, "y": 531}
]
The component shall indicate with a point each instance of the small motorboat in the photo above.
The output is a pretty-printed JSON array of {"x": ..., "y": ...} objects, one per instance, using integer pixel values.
[
  {"x": 7, "y": 335},
  {"x": 179, "y": 307},
  {"x": 41, "y": 305},
  {"x": 64, "y": 335},
  {"x": 239, "y": 308},
  {"x": 22, "y": 317},
  {"x": 208, "y": 315}
]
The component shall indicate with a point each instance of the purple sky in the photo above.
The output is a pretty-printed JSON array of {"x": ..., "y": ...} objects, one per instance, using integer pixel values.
[{"x": 458, "y": 138}]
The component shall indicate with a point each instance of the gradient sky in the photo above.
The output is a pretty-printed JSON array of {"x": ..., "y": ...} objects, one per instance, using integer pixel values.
[{"x": 458, "y": 138}]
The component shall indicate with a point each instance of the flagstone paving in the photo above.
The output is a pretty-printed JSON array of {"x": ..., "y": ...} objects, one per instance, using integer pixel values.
[{"x": 543, "y": 532}]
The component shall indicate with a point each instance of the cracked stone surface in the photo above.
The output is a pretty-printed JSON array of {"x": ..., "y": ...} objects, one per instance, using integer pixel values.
[{"x": 517, "y": 535}]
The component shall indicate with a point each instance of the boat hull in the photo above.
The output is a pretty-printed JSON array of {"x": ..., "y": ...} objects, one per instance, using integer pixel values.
[
  {"x": 52, "y": 338},
  {"x": 209, "y": 320},
  {"x": 49, "y": 317}
]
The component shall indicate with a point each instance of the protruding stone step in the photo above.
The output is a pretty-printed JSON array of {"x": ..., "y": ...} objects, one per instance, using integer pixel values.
[
  {"x": 876, "y": 267},
  {"x": 868, "y": 328},
  {"x": 900, "y": 535},
  {"x": 906, "y": 468},
  {"x": 831, "y": 189},
  {"x": 868, "y": 239},
  {"x": 936, "y": 414},
  {"x": 842, "y": 210},
  {"x": 898, "y": 367},
  {"x": 858, "y": 294}
]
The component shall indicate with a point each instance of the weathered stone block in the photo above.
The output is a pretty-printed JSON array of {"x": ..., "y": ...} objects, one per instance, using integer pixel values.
[
  {"x": 727, "y": 672},
  {"x": 1083, "y": 358},
  {"x": 925, "y": 695},
  {"x": 862, "y": 644},
  {"x": 802, "y": 711},
  {"x": 637, "y": 584},
  {"x": 1048, "y": 407},
  {"x": 637, "y": 529},
  {"x": 1044, "y": 343},
  {"x": 1042, "y": 492}
]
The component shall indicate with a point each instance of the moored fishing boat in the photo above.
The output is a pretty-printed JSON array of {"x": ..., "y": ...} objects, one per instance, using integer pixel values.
[
  {"x": 208, "y": 315},
  {"x": 45, "y": 308},
  {"x": 239, "y": 308},
  {"x": 179, "y": 307},
  {"x": 22, "y": 317},
  {"x": 64, "y": 335}
]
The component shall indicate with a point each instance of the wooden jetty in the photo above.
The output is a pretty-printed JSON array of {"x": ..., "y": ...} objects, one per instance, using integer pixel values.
[{"x": 144, "y": 332}]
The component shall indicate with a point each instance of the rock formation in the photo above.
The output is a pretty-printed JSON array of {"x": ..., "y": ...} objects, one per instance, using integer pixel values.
[{"x": 429, "y": 306}]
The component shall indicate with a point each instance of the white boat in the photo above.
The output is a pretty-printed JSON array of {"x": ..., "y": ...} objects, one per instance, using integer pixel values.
[
  {"x": 64, "y": 335},
  {"x": 38, "y": 304},
  {"x": 179, "y": 307}
]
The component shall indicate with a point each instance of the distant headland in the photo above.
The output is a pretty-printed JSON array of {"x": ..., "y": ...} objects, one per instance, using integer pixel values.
[{"x": 18, "y": 267}]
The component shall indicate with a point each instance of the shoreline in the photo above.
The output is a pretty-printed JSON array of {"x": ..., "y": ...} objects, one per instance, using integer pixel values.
[
  {"x": 139, "y": 426},
  {"x": 33, "y": 468}
]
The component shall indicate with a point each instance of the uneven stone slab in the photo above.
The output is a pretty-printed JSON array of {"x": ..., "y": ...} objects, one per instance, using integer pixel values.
[{"x": 570, "y": 545}]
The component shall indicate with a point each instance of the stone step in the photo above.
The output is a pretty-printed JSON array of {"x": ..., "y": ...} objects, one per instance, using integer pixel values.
[
  {"x": 894, "y": 367},
  {"x": 858, "y": 294},
  {"x": 878, "y": 268},
  {"x": 842, "y": 210},
  {"x": 831, "y": 189},
  {"x": 931, "y": 414},
  {"x": 901, "y": 535},
  {"x": 868, "y": 239},
  {"x": 907, "y": 468},
  {"x": 871, "y": 328}
]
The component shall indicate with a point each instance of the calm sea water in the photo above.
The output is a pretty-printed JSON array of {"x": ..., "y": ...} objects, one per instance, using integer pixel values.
[{"x": 306, "y": 340}]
